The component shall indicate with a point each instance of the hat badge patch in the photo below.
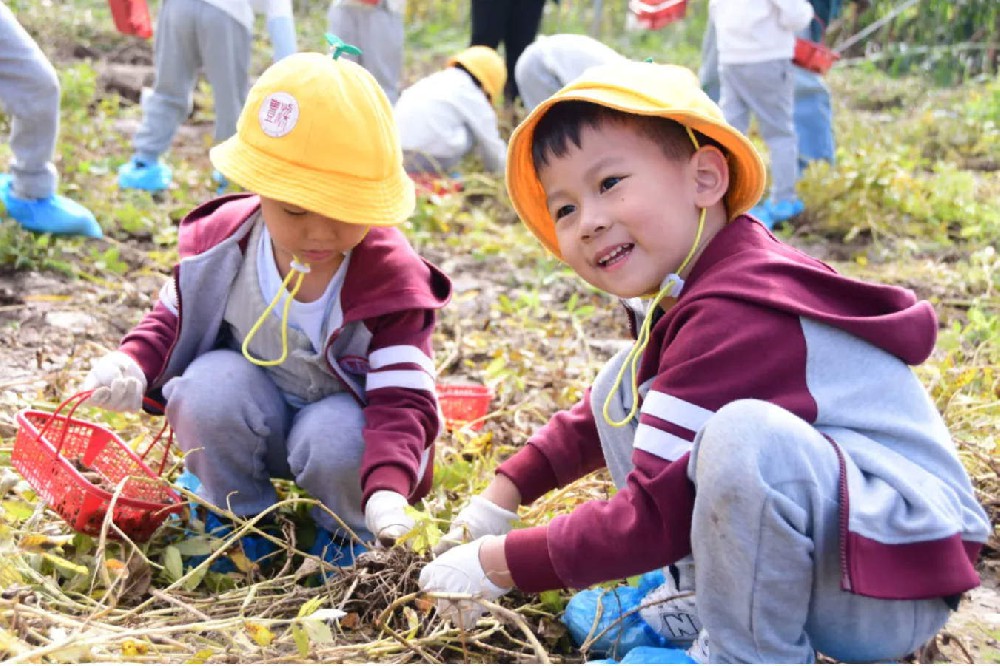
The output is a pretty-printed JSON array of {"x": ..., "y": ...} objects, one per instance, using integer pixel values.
[{"x": 278, "y": 114}]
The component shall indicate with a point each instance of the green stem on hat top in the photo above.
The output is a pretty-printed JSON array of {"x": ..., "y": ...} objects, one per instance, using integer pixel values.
[
  {"x": 672, "y": 288},
  {"x": 339, "y": 46},
  {"x": 299, "y": 270}
]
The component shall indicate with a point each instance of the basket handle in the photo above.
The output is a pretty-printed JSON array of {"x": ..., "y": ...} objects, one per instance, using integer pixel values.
[{"x": 81, "y": 398}]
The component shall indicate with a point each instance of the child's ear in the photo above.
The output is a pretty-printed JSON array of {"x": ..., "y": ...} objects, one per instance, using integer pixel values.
[{"x": 711, "y": 176}]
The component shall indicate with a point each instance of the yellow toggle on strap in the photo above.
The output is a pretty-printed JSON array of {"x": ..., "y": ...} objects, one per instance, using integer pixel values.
[{"x": 298, "y": 270}]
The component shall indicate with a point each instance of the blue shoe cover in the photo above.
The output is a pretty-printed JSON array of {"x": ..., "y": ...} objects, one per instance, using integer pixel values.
[
  {"x": 53, "y": 215},
  {"x": 763, "y": 214},
  {"x": 786, "y": 209},
  {"x": 337, "y": 551},
  {"x": 631, "y": 632},
  {"x": 222, "y": 183},
  {"x": 256, "y": 548},
  {"x": 152, "y": 177},
  {"x": 657, "y": 655}
]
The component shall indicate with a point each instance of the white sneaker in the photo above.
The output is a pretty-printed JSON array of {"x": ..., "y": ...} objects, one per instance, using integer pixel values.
[
  {"x": 699, "y": 651},
  {"x": 672, "y": 613}
]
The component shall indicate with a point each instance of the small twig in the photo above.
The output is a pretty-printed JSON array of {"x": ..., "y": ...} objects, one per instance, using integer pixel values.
[
  {"x": 174, "y": 601},
  {"x": 381, "y": 622}
]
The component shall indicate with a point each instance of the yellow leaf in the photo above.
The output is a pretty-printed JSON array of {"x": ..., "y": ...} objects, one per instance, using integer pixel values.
[
  {"x": 131, "y": 648},
  {"x": 65, "y": 564},
  {"x": 37, "y": 543},
  {"x": 412, "y": 622},
  {"x": 241, "y": 561},
  {"x": 311, "y": 606},
  {"x": 261, "y": 635},
  {"x": 200, "y": 657}
]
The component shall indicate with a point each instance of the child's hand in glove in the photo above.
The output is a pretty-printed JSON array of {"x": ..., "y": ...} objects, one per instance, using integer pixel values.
[
  {"x": 480, "y": 517},
  {"x": 385, "y": 517},
  {"x": 117, "y": 383},
  {"x": 459, "y": 571}
]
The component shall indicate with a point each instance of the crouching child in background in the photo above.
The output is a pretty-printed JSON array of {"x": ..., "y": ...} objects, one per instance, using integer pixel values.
[
  {"x": 294, "y": 338},
  {"x": 766, "y": 423}
]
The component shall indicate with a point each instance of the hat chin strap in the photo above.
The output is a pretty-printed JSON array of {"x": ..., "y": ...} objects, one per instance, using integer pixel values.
[
  {"x": 674, "y": 285},
  {"x": 297, "y": 271}
]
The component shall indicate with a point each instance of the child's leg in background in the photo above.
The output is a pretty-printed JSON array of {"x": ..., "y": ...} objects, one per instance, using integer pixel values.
[
  {"x": 708, "y": 71},
  {"x": 765, "y": 536},
  {"x": 325, "y": 446},
  {"x": 224, "y": 44},
  {"x": 813, "y": 118},
  {"x": 489, "y": 21},
  {"x": 378, "y": 32},
  {"x": 522, "y": 28},
  {"x": 230, "y": 420},
  {"x": 29, "y": 91},
  {"x": 177, "y": 60},
  {"x": 734, "y": 107},
  {"x": 767, "y": 90}
]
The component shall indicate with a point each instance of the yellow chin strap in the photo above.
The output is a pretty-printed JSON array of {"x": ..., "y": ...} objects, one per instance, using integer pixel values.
[
  {"x": 671, "y": 288},
  {"x": 297, "y": 271}
]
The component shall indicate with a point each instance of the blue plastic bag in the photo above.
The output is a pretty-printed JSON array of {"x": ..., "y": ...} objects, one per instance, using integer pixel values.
[{"x": 622, "y": 636}]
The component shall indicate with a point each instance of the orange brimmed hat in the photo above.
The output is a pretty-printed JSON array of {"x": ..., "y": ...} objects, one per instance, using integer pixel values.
[
  {"x": 645, "y": 89},
  {"x": 318, "y": 132},
  {"x": 486, "y": 65}
]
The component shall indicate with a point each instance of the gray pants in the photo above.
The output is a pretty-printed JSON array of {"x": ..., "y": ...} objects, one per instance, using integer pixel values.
[
  {"x": 766, "y": 545},
  {"x": 378, "y": 32},
  {"x": 767, "y": 90},
  {"x": 238, "y": 432},
  {"x": 29, "y": 92},
  {"x": 192, "y": 35}
]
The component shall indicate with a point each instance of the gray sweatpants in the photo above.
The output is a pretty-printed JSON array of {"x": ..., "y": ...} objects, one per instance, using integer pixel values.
[
  {"x": 378, "y": 32},
  {"x": 192, "y": 35},
  {"x": 29, "y": 92},
  {"x": 238, "y": 432},
  {"x": 767, "y": 90},
  {"x": 766, "y": 544}
]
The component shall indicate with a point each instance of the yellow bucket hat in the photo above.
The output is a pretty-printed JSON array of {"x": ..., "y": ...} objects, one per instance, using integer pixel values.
[
  {"x": 645, "y": 89},
  {"x": 486, "y": 65},
  {"x": 318, "y": 132}
]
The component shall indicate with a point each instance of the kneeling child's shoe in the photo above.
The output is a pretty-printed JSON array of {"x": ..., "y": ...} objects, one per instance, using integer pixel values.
[
  {"x": 335, "y": 550},
  {"x": 785, "y": 209},
  {"x": 252, "y": 552}
]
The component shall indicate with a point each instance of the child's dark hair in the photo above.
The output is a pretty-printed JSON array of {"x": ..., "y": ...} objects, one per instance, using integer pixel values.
[
  {"x": 472, "y": 76},
  {"x": 564, "y": 123}
]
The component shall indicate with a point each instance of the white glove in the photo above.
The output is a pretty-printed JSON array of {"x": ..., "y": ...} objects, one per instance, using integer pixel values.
[
  {"x": 385, "y": 517},
  {"x": 480, "y": 517},
  {"x": 459, "y": 572},
  {"x": 117, "y": 382}
]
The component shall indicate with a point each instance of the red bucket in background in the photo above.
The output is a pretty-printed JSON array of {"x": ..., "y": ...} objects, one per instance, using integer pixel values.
[
  {"x": 655, "y": 15},
  {"x": 464, "y": 403},
  {"x": 814, "y": 56},
  {"x": 55, "y": 453},
  {"x": 131, "y": 17}
]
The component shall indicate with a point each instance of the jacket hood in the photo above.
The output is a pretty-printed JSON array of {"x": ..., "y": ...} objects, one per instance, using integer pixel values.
[
  {"x": 748, "y": 263},
  {"x": 386, "y": 273}
]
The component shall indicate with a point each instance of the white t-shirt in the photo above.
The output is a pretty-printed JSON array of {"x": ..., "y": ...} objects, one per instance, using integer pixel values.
[{"x": 308, "y": 318}]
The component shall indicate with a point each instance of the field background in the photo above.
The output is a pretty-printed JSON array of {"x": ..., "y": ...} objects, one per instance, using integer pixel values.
[{"x": 913, "y": 200}]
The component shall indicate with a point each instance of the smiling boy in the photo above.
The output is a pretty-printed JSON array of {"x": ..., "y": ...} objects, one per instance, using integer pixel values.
[{"x": 779, "y": 436}]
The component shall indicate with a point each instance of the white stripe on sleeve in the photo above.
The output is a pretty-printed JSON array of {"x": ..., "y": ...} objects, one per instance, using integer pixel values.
[
  {"x": 659, "y": 443},
  {"x": 674, "y": 410},
  {"x": 411, "y": 379},
  {"x": 381, "y": 358}
]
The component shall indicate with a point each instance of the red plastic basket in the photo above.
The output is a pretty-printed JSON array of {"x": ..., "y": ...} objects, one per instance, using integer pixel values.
[
  {"x": 145, "y": 499},
  {"x": 655, "y": 15},
  {"x": 131, "y": 17},
  {"x": 464, "y": 403},
  {"x": 427, "y": 185},
  {"x": 814, "y": 56}
]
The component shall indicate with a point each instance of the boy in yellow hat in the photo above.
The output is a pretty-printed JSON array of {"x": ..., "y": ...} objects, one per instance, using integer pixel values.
[
  {"x": 447, "y": 114},
  {"x": 294, "y": 338},
  {"x": 766, "y": 421}
]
